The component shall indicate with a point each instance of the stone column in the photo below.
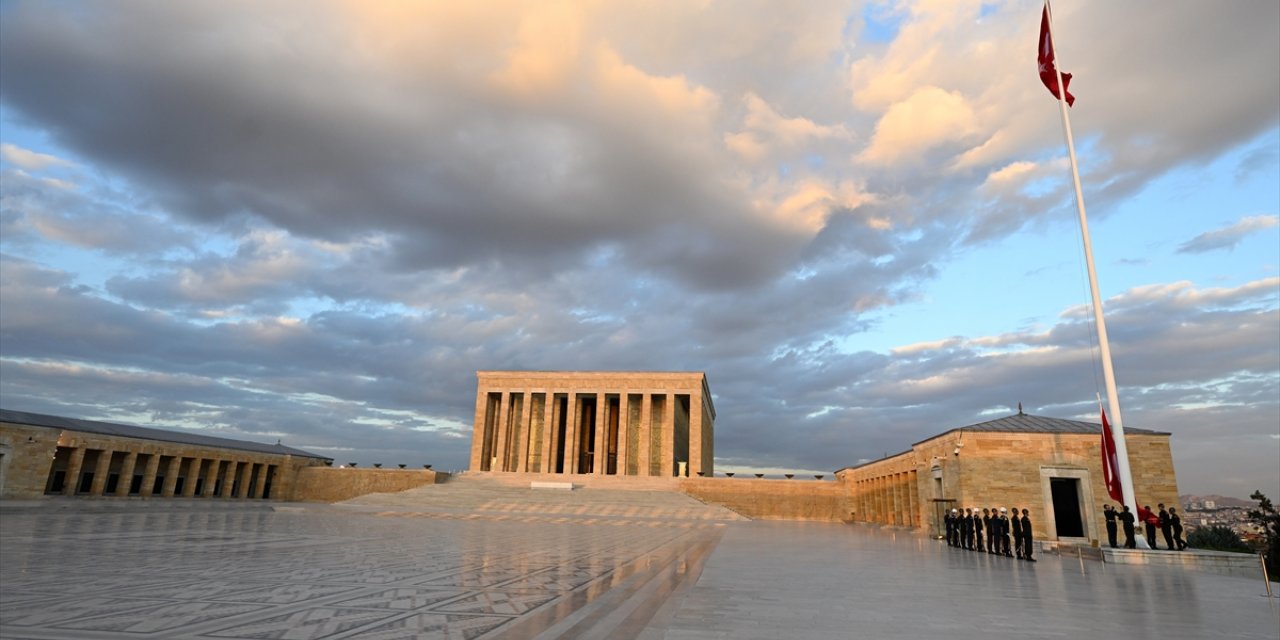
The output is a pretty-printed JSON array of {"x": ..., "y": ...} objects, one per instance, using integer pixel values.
[
  {"x": 695, "y": 432},
  {"x": 525, "y": 441},
  {"x": 193, "y": 474},
  {"x": 171, "y": 477},
  {"x": 228, "y": 478},
  {"x": 571, "y": 433},
  {"x": 644, "y": 453},
  {"x": 550, "y": 444},
  {"x": 149, "y": 473},
  {"x": 73, "y": 472},
  {"x": 126, "y": 473},
  {"x": 600, "y": 457},
  {"x": 100, "y": 471},
  {"x": 478, "y": 435},
  {"x": 211, "y": 478},
  {"x": 255, "y": 488},
  {"x": 500, "y": 455},
  {"x": 624, "y": 428},
  {"x": 669, "y": 436},
  {"x": 245, "y": 470}
]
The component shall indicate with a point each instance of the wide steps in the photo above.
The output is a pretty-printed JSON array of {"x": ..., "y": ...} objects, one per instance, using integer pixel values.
[{"x": 484, "y": 495}]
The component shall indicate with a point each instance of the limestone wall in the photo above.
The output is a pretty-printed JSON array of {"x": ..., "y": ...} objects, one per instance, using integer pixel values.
[
  {"x": 773, "y": 499},
  {"x": 26, "y": 453},
  {"x": 332, "y": 484}
]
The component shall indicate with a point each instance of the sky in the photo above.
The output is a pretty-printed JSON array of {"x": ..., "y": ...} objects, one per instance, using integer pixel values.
[{"x": 313, "y": 222}]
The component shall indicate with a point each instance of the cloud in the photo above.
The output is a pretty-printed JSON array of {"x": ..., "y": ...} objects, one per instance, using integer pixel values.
[
  {"x": 31, "y": 160},
  {"x": 1228, "y": 237}
]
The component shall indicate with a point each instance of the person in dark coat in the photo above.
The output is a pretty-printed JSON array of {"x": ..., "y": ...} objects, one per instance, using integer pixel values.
[
  {"x": 1126, "y": 519},
  {"x": 1175, "y": 522},
  {"x": 949, "y": 522},
  {"x": 1016, "y": 524},
  {"x": 966, "y": 530},
  {"x": 979, "y": 523},
  {"x": 1150, "y": 519},
  {"x": 1166, "y": 527},
  {"x": 1110, "y": 515},
  {"x": 1026, "y": 536},
  {"x": 986, "y": 524},
  {"x": 1004, "y": 532}
]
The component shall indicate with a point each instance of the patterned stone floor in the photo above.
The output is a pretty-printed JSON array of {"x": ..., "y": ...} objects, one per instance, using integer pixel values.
[
  {"x": 95, "y": 570},
  {"x": 327, "y": 573}
]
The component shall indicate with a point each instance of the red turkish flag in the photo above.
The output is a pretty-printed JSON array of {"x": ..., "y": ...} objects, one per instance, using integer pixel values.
[
  {"x": 1044, "y": 55},
  {"x": 1110, "y": 462}
]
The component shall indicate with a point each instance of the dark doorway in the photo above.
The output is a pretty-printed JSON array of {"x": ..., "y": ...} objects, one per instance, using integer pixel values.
[
  {"x": 1066, "y": 507},
  {"x": 562, "y": 425}
]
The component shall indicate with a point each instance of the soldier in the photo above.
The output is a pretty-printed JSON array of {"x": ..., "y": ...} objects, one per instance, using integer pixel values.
[
  {"x": 1016, "y": 523},
  {"x": 966, "y": 529},
  {"x": 1166, "y": 527},
  {"x": 986, "y": 522},
  {"x": 979, "y": 523},
  {"x": 1176, "y": 522},
  {"x": 1126, "y": 518},
  {"x": 1026, "y": 536},
  {"x": 951, "y": 528},
  {"x": 1110, "y": 515},
  {"x": 1004, "y": 533},
  {"x": 1151, "y": 522}
]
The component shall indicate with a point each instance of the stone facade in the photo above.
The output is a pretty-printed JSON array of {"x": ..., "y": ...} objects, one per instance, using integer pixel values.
[
  {"x": 47, "y": 455},
  {"x": 1056, "y": 475},
  {"x": 603, "y": 423},
  {"x": 760, "y": 499}
]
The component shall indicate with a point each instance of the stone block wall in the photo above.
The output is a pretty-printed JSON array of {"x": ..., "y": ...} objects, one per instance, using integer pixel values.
[
  {"x": 26, "y": 453},
  {"x": 773, "y": 499},
  {"x": 333, "y": 484}
]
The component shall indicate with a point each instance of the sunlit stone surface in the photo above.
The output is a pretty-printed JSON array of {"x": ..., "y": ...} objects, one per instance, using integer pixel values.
[{"x": 190, "y": 569}]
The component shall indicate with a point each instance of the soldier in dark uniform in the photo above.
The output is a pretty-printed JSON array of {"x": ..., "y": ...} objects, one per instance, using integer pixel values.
[
  {"x": 1016, "y": 524},
  {"x": 986, "y": 524},
  {"x": 951, "y": 528},
  {"x": 1026, "y": 536},
  {"x": 1148, "y": 518},
  {"x": 1110, "y": 515},
  {"x": 1126, "y": 519},
  {"x": 1175, "y": 521},
  {"x": 1166, "y": 527},
  {"x": 966, "y": 529},
  {"x": 1004, "y": 533},
  {"x": 978, "y": 526}
]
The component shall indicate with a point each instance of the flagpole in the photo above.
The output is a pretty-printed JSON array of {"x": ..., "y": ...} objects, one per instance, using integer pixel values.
[{"x": 1108, "y": 374}]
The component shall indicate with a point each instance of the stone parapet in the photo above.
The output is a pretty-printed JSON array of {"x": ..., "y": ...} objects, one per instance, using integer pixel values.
[
  {"x": 330, "y": 484},
  {"x": 761, "y": 499}
]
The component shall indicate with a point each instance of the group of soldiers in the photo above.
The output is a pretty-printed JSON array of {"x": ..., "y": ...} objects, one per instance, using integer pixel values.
[
  {"x": 1167, "y": 520},
  {"x": 965, "y": 531}
]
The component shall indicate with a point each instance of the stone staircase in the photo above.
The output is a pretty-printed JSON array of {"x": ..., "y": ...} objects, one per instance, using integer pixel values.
[{"x": 510, "y": 495}]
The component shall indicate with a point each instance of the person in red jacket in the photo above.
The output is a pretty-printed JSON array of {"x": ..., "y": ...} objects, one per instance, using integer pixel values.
[{"x": 1149, "y": 518}]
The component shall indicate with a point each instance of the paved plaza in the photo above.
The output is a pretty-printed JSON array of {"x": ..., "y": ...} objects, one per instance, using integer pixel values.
[{"x": 187, "y": 569}]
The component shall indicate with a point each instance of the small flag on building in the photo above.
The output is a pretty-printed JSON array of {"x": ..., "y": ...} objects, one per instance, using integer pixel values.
[
  {"x": 1110, "y": 462},
  {"x": 1044, "y": 55}
]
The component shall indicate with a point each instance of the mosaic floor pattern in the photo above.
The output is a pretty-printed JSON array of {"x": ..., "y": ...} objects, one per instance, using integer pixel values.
[{"x": 310, "y": 574}]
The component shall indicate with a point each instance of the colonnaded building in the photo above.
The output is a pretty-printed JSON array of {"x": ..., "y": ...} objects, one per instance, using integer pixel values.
[{"x": 594, "y": 422}]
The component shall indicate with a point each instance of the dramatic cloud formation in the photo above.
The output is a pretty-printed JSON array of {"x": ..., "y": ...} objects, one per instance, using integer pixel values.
[{"x": 315, "y": 221}]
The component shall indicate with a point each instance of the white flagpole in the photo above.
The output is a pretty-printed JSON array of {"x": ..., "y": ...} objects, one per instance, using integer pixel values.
[{"x": 1108, "y": 374}]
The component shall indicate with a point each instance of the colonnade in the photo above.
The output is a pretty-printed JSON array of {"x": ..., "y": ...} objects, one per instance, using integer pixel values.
[
  {"x": 892, "y": 498},
  {"x": 128, "y": 471}
]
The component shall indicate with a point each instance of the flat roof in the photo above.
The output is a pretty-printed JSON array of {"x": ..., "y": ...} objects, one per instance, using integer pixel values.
[
  {"x": 585, "y": 374},
  {"x": 146, "y": 433}
]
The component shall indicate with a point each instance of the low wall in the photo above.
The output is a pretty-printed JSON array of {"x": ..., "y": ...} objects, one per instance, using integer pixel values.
[
  {"x": 330, "y": 484},
  {"x": 1240, "y": 565},
  {"x": 761, "y": 499}
]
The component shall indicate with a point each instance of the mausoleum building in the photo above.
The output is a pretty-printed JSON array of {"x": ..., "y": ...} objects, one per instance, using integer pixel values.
[{"x": 594, "y": 422}]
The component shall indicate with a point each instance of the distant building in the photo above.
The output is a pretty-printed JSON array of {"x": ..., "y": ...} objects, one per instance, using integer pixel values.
[
  {"x": 1050, "y": 466},
  {"x": 50, "y": 455},
  {"x": 1210, "y": 504}
]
